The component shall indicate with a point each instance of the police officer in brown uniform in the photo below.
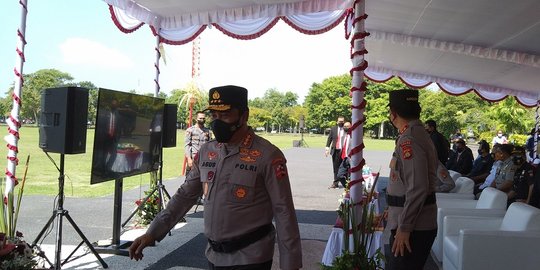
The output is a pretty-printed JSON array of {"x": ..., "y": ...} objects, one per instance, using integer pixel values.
[
  {"x": 249, "y": 186},
  {"x": 412, "y": 211}
]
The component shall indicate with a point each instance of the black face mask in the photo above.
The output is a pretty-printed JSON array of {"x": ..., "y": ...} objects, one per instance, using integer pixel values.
[
  {"x": 346, "y": 129},
  {"x": 340, "y": 124},
  {"x": 518, "y": 160},
  {"x": 480, "y": 152},
  {"x": 224, "y": 131},
  {"x": 460, "y": 149},
  {"x": 200, "y": 122}
]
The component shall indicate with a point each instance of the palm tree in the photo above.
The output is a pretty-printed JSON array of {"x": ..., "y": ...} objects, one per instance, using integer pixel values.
[{"x": 192, "y": 95}]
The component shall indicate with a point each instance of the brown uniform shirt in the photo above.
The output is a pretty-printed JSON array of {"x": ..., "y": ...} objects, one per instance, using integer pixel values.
[
  {"x": 413, "y": 174},
  {"x": 248, "y": 187}
]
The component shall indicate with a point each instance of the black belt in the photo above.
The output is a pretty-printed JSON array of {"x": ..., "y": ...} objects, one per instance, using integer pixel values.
[
  {"x": 242, "y": 241},
  {"x": 399, "y": 201}
]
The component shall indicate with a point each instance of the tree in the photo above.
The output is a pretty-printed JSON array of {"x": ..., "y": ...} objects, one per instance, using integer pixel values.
[
  {"x": 276, "y": 103},
  {"x": 34, "y": 83},
  {"x": 328, "y": 100},
  {"x": 453, "y": 112},
  {"x": 191, "y": 94},
  {"x": 259, "y": 118},
  {"x": 511, "y": 117}
]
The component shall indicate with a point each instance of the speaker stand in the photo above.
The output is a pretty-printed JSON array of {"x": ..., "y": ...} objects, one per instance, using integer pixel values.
[
  {"x": 59, "y": 213},
  {"x": 159, "y": 188},
  {"x": 302, "y": 142}
]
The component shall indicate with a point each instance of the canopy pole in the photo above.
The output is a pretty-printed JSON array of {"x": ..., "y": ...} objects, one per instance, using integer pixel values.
[
  {"x": 358, "y": 102},
  {"x": 156, "y": 64},
  {"x": 535, "y": 135},
  {"x": 13, "y": 122}
]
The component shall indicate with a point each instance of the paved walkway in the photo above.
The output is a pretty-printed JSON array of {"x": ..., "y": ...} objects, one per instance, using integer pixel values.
[{"x": 310, "y": 174}]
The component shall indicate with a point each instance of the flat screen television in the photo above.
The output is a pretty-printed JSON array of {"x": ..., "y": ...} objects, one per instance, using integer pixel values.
[{"x": 127, "y": 138}]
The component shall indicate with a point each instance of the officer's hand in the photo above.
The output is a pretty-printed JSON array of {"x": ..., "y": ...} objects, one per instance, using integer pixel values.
[
  {"x": 190, "y": 162},
  {"x": 135, "y": 250},
  {"x": 326, "y": 151},
  {"x": 401, "y": 241}
]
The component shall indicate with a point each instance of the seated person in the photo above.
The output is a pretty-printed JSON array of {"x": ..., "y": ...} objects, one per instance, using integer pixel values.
[
  {"x": 445, "y": 183},
  {"x": 482, "y": 164},
  {"x": 523, "y": 177},
  {"x": 492, "y": 172},
  {"x": 461, "y": 159},
  {"x": 504, "y": 176},
  {"x": 534, "y": 191}
]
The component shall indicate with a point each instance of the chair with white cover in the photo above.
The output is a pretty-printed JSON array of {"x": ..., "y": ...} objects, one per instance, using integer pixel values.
[
  {"x": 492, "y": 202},
  {"x": 463, "y": 190},
  {"x": 455, "y": 175},
  {"x": 509, "y": 242}
]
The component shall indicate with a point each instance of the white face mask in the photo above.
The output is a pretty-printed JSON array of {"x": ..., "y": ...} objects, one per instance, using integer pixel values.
[{"x": 499, "y": 135}]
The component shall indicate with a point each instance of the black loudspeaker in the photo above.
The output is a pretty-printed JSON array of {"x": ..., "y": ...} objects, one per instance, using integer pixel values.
[
  {"x": 63, "y": 119},
  {"x": 169, "y": 125}
]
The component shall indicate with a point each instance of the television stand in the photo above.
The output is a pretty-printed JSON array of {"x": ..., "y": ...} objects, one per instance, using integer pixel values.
[{"x": 116, "y": 246}]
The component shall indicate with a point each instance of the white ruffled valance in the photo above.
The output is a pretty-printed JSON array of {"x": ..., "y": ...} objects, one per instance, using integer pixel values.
[
  {"x": 250, "y": 27},
  {"x": 453, "y": 87},
  {"x": 257, "y": 9}
]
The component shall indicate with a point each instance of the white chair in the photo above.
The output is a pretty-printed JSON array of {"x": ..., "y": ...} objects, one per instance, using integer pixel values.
[
  {"x": 509, "y": 242},
  {"x": 455, "y": 175},
  {"x": 463, "y": 190},
  {"x": 492, "y": 202}
]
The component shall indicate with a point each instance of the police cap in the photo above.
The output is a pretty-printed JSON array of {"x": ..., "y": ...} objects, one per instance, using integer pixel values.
[
  {"x": 226, "y": 97},
  {"x": 405, "y": 99}
]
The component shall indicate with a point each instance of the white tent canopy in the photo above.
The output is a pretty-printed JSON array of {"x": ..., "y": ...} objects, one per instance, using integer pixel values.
[{"x": 489, "y": 46}]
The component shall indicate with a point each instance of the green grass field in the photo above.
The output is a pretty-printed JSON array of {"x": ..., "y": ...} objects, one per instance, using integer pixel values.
[{"x": 42, "y": 176}]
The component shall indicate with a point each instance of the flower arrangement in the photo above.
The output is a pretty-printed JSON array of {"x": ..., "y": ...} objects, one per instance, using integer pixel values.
[
  {"x": 151, "y": 207},
  {"x": 15, "y": 253},
  {"x": 362, "y": 234}
]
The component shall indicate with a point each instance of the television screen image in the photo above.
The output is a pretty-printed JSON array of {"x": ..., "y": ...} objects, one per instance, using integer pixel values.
[{"x": 127, "y": 138}]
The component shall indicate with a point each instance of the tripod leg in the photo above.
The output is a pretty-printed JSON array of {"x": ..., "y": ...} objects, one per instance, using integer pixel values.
[
  {"x": 139, "y": 207},
  {"x": 86, "y": 241},
  {"x": 73, "y": 252},
  {"x": 44, "y": 229}
]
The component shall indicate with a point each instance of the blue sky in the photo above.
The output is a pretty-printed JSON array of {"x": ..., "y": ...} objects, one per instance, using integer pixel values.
[{"x": 79, "y": 37}]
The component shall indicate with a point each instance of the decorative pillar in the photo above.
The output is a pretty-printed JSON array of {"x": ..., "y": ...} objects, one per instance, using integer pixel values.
[
  {"x": 13, "y": 121},
  {"x": 156, "y": 64},
  {"x": 358, "y": 88}
]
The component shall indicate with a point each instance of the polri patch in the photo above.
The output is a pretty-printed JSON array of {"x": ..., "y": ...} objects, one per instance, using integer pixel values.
[
  {"x": 406, "y": 149},
  {"x": 280, "y": 169},
  {"x": 240, "y": 192}
]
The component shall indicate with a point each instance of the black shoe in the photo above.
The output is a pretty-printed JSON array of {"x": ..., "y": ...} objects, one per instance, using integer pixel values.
[{"x": 333, "y": 186}]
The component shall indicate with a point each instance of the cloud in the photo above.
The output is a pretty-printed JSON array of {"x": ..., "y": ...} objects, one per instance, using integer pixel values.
[{"x": 80, "y": 51}]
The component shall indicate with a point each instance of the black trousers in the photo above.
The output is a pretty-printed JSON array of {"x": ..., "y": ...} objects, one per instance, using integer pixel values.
[
  {"x": 258, "y": 266},
  {"x": 336, "y": 161},
  {"x": 421, "y": 242}
]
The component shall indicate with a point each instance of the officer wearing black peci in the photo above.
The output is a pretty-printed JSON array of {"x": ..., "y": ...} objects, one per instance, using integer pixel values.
[
  {"x": 412, "y": 211},
  {"x": 248, "y": 188}
]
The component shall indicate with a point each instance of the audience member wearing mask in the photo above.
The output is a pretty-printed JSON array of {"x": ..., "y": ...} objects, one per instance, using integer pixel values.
[
  {"x": 482, "y": 164},
  {"x": 461, "y": 159},
  {"x": 523, "y": 177},
  {"x": 499, "y": 139}
]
